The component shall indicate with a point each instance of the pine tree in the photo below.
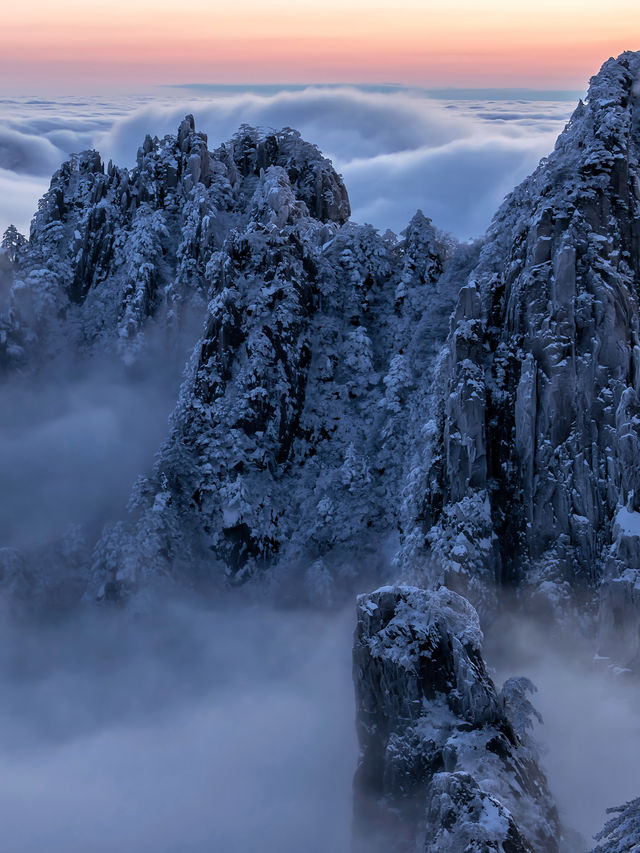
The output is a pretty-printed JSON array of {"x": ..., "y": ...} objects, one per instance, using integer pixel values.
[
  {"x": 12, "y": 242},
  {"x": 621, "y": 834}
]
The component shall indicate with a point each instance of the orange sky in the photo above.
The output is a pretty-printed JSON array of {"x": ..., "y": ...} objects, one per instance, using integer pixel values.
[{"x": 70, "y": 44}]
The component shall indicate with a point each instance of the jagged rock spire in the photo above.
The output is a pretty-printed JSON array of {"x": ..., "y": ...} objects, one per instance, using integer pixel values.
[{"x": 538, "y": 417}]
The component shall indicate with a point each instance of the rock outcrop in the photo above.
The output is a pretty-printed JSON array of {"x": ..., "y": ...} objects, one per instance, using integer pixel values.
[
  {"x": 285, "y": 443},
  {"x": 536, "y": 447},
  {"x": 621, "y": 833},
  {"x": 111, "y": 248},
  {"x": 464, "y": 817},
  {"x": 284, "y": 447},
  {"x": 446, "y": 762}
]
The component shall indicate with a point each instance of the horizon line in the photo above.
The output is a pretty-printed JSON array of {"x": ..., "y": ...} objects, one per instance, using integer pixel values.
[{"x": 459, "y": 92}]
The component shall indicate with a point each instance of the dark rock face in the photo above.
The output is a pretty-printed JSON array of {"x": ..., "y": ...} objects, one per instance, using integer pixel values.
[
  {"x": 464, "y": 817},
  {"x": 289, "y": 439},
  {"x": 285, "y": 445},
  {"x": 537, "y": 429},
  {"x": 314, "y": 181},
  {"x": 441, "y": 751},
  {"x": 111, "y": 248}
]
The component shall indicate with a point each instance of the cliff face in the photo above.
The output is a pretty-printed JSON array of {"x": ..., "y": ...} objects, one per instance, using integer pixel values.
[
  {"x": 445, "y": 760},
  {"x": 287, "y": 443},
  {"x": 537, "y": 430}
]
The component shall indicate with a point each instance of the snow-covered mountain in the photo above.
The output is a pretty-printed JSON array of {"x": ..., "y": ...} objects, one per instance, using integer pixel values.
[
  {"x": 533, "y": 478},
  {"x": 464, "y": 418},
  {"x": 446, "y": 762}
]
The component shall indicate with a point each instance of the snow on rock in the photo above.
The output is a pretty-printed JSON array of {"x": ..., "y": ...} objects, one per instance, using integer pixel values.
[
  {"x": 626, "y": 536},
  {"x": 435, "y": 737},
  {"x": 308, "y": 387},
  {"x": 289, "y": 438},
  {"x": 464, "y": 817},
  {"x": 621, "y": 834},
  {"x": 539, "y": 407},
  {"x": 111, "y": 247}
]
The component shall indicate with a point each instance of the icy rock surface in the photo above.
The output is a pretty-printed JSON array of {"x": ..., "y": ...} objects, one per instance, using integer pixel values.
[
  {"x": 111, "y": 247},
  {"x": 312, "y": 374},
  {"x": 621, "y": 834},
  {"x": 464, "y": 817},
  {"x": 288, "y": 442},
  {"x": 446, "y": 762},
  {"x": 536, "y": 443}
]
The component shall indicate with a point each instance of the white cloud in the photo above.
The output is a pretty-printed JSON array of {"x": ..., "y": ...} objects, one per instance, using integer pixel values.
[
  {"x": 459, "y": 185},
  {"x": 19, "y": 196},
  {"x": 345, "y": 122},
  {"x": 398, "y": 150},
  {"x": 27, "y": 154},
  {"x": 180, "y": 732}
]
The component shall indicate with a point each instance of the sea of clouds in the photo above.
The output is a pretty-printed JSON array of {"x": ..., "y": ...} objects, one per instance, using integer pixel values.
[
  {"x": 231, "y": 727},
  {"x": 183, "y": 730},
  {"x": 455, "y": 156}
]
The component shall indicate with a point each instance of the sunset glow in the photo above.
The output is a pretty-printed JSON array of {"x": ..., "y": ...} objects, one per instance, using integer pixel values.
[{"x": 49, "y": 44}]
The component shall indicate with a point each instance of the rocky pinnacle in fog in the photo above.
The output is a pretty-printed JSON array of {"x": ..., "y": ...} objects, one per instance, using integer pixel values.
[{"x": 445, "y": 760}]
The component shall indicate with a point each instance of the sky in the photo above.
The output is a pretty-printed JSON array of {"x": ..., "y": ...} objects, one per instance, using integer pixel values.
[
  {"x": 73, "y": 45},
  {"x": 408, "y": 99}
]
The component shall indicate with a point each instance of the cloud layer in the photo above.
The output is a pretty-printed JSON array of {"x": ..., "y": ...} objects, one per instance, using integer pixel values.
[
  {"x": 591, "y": 731},
  {"x": 398, "y": 150},
  {"x": 178, "y": 732}
]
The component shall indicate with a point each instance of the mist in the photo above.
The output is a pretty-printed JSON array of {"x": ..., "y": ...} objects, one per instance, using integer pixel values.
[
  {"x": 399, "y": 149},
  {"x": 229, "y": 725},
  {"x": 75, "y": 435},
  {"x": 184, "y": 728},
  {"x": 166, "y": 725},
  {"x": 183, "y": 725},
  {"x": 590, "y": 737},
  {"x": 70, "y": 452}
]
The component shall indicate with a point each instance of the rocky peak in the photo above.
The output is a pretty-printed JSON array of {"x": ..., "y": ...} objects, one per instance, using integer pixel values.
[
  {"x": 312, "y": 177},
  {"x": 112, "y": 248},
  {"x": 464, "y": 817},
  {"x": 538, "y": 412},
  {"x": 440, "y": 762},
  {"x": 283, "y": 445}
]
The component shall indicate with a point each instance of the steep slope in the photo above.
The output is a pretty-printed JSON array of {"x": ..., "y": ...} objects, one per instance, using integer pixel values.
[
  {"x": 535, "y": 443},
  {"x": 621, "y": 834},
  {"x": 446, "y": 763},
  {"x": 318, "y": 338},
  {"x": 286, "y": 446}
]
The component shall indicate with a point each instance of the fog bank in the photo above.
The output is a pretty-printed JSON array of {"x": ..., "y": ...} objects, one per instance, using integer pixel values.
[
  {"x": 590, "y": 737},
  {"x": 189, "y": 729}
]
